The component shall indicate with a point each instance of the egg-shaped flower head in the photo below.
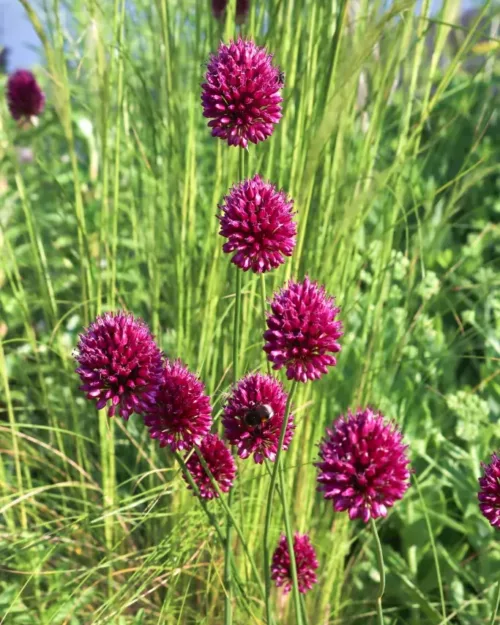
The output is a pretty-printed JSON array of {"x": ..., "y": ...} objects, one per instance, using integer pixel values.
[
  {"x": 489, "y": 491},
  {"x": 364, "y": 465},
  {"x": 253, "y": 416},
  {"x": 241, "y": 94},
  {"x": 303, "y": 331},
  {"x": 119, "y": 364},
  {"x": 24, "y": 95},
  {"x": 257, "y": 221},
  {"x": 305, "y": 561},
  {"x": 220, "y": 462},
  {"x": 242, "y": 8},
  {"x": 182, "y": 414}
]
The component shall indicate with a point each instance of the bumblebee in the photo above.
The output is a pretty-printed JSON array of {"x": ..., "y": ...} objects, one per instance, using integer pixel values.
[{"x": 258, "y": 415}]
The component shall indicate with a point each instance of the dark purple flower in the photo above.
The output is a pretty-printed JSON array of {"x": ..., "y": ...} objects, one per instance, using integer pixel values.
[
  {"x": 253, "y": 416},
  {"x": 24, "y": 96},
  {"x": 257, "y": 221},
  {"x": 119, "y": 362},
  {"x": 305, "y": 561},
  {"x": 303, "y": 333},
  {"x": 241, "y": 95},
  {"x": 220, "y": 462},
  {"x": 489, "y": 494},
  {"x": 242, "y": 8},
  {"x": 182, "y": 415},
  {"x": 364, "y": 465}
]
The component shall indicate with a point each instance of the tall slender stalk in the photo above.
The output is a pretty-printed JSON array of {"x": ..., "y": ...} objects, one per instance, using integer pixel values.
[
  {"x": 497, "y": 605},
  {"x": 230, "y": 515},
  {"x": 380, "y": 561},
  {"x": 267, "y": 526},
  {"x": 228, "y": 616},
  {"x": 263, "y": 302}
]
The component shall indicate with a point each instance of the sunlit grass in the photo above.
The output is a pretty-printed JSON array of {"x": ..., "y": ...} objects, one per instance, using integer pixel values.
[{"x": 391, "y": 156}]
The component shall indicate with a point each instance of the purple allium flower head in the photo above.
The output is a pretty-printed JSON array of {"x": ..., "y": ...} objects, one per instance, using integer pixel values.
[
  {"x": 24, "y": 96},
  {"x": 302, "y": 331},
  {"x": 253, "y": 416},
  {"x": 220, "y": 462},
  {"x": 119, "y": 362},
  {"x": 489, "y": 493},
  {"x": 182, "y": 415},
  {"x": 364, "y": 465},
  {"x": 305, "y": 561},
  {"x": 242, "y": 8},
  {"x": 242, "y": 93},
  {"x": 257, "y": 221}
]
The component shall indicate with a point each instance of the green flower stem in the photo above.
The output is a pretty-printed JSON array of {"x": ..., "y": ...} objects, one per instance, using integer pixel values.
[
  {"x": 497, "y": 605},
  {"x": 263, "y": 301},
  {"x": 228, "y": 617},
  {"x": 267, "y": 527},
  {"x": 230, "y": 516},
  {"x": 211, "y": 518},
  {"x": 380, "y": 561}
]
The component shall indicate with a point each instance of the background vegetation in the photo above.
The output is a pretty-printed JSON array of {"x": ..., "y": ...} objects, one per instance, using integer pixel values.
[{"x": 390, "y": 146}]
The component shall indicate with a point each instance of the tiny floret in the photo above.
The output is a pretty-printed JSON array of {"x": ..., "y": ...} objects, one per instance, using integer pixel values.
[
  {"x": 303, "y": 331},
  {"x": 241, "y": 94},
  {"x": 119, "y": 364},
  {"x": 305, "y": 561},
  {"x": 257, "y": 221},
  {"x": 182, "y": 414},
  {"x": 489, "y": 491},
  {"x": 364, "y": 465},
  {"x": 24, "y": 95},
  {"x": 253, "y": 417},
  {"x": 220, "y": 462}
]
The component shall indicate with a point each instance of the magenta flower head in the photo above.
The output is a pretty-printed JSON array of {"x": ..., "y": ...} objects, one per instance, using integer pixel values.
[
  {"x": 302, "y": 331},
  {"x": 182, "y": 415},
  {"x": 220, "y": 462},
  {"x": 364, "y": 465},
  {"x": 257, "y": 221},
  {"x": 242, "y": 93},
  {"x": 489, "y": 493},
  {"x": 24, "y": 96},
  {"x": 305, "y": 561},
  {"x": 253, "y": 416},
  {"x": 119, "y": 363}
]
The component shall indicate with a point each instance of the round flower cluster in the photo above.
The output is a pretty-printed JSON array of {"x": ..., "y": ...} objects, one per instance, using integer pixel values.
[
  {"x": 220, "y": 463},
  {"x": 24, "y": 96},
  {"x": 489, "y": 493},
  {"x": 305, "y": 561},
  {"x": 257, "y": 221},
  {"x": 364, "y": 465},
  {"x": 182, "y": 414},
  {"x": 303, "y": 331},
  {"x": 241, "y": 94},
  {"x": 119, "y": 364},
  {"x": 253, "y": 417}
]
